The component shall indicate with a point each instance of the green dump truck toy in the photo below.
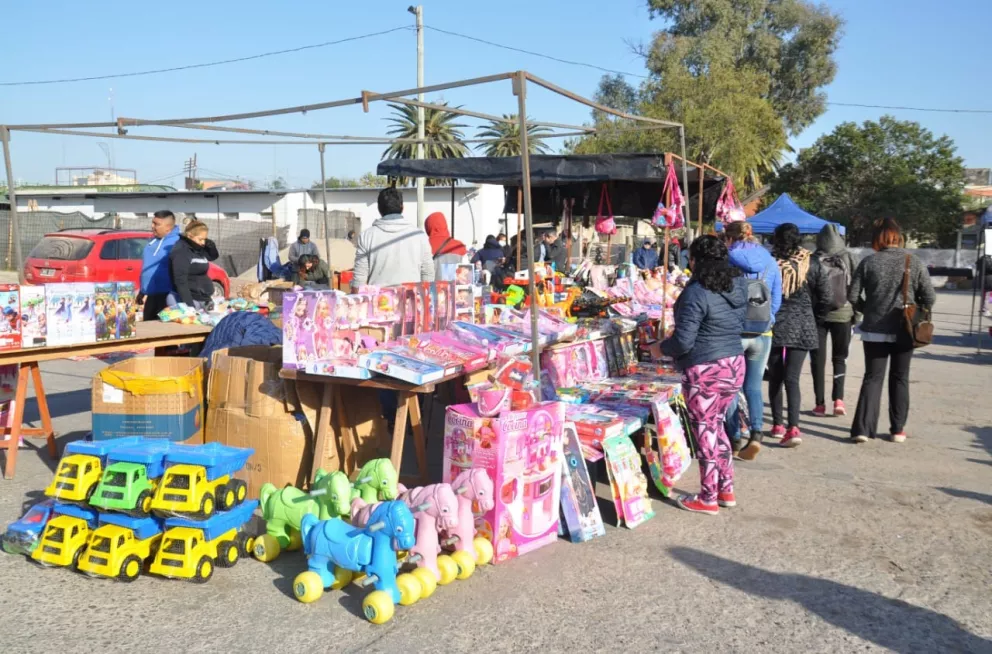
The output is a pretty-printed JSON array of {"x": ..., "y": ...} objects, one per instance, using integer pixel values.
[
  {"x": 81, "y": 468},
  {"x": 131, "y": 477}
]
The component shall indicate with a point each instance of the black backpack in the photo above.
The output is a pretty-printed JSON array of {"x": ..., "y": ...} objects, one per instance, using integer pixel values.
[
  {"x": 838, "y": 279},
  {"x": 758, "y": 317}
]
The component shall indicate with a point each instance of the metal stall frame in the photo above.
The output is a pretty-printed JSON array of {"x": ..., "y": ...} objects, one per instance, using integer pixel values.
[{"x": 519, "y": 81}]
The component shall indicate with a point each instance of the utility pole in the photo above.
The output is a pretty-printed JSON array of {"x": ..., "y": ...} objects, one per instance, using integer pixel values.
[{"x": 418, "y": 11}]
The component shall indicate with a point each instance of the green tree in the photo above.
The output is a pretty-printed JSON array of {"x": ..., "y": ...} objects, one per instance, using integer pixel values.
[
  {"x": 444, "y": 136},
  {"x": 277, "y": 184},
  {"x": 508, "y": 134},
  {"x": 859, "y": 173}
]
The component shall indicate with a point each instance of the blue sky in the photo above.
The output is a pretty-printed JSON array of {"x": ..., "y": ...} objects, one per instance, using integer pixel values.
[{"x": 910, "y": 52}]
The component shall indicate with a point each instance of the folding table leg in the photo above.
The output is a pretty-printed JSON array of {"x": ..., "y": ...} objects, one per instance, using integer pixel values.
[
  {"x": 323, "y": 430},
  {"x": 419, "y": 442},
  {"x": 349, "y": 440},
  {"x": 399, "y": 429},
  {"x": 46, "y": 417}
]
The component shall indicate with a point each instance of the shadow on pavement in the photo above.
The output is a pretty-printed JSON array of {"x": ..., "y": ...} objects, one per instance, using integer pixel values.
[
  {"x": 67, "y": 403},
  {"x": 983, "y": 438},
  {"x": 966, "y": 495},
  {"x": 889, "y": 623}
]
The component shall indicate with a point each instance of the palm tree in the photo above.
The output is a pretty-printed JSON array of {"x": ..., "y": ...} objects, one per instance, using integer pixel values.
[
  {"x": 443, "y": 134},
  {"x": 508, "y": 134}
]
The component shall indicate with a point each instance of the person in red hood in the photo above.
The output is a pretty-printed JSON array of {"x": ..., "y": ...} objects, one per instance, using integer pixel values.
[{"x": 448, "y": 251}]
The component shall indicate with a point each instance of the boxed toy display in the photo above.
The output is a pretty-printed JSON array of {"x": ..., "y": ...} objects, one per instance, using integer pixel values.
[
  {"x": 83, "y": 326},
  {"x": 105, "y": 311},
  {"x": 34, "y": 321},
  {"x": 298, "y": 313},
  {"x": 59, "y": 299},
  {"x": 521, "y": 451},
  {"x": 10, "y": 321},
  {"x": 127, "y": 310},
  {"x": 628, "y": 483},
  {"x": 578, "y": 499}
]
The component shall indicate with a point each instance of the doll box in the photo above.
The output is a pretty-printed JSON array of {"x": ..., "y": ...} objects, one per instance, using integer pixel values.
[
  {"x": 10, "y": 322},
  {"x": 34, "y": 322},
  {"x": 105, "y": 311},
  {"x": 401, "y": 367},
  {"x": 127, "y": 310},
  {"x": 298, "y": 315},
  {"x": 578, "y": 497},
  {"x": 522, "y": 452}
]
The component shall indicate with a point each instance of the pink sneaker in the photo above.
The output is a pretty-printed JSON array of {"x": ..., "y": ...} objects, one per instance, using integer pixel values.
[
  {"x": 696, "y": 505},
  {"x": 820, "y": 411},
  {"x": 898, "y": 438},
  {"x": 778, "y": 431},
  {"x": 839, "y": 409},
  {"x": 792, "y": 438}
]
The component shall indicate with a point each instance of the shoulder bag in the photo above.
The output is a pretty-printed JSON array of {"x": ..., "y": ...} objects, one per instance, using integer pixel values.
[{"x": 916, "y": 319}]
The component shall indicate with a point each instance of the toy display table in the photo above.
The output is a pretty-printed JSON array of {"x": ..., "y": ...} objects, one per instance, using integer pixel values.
[
  {"x": 147, "y": 335},
  {"x": 332, "y": 408}
]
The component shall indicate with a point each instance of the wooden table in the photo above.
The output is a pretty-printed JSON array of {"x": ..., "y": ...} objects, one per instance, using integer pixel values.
[
  {"x": 147, "y": 335},
  {"x": 407, "y": 412}
]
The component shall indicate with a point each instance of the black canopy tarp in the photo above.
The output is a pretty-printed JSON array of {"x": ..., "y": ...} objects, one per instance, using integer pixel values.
[{"x": 634, "y": 181}]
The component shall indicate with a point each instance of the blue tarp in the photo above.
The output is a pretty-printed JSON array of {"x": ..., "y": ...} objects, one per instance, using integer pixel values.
[{"x": 784, "y": 210}]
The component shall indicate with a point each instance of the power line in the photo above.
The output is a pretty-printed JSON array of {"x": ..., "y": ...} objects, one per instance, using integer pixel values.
[
  {"x": 931, "y": 109},
  {"x": 209, "y": 64}
]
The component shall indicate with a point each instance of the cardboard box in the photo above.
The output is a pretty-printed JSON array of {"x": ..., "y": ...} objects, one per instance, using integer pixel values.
[
  {"x": 250, "y": 406},
  {"x": 34, "y": 330},
  {"x": 10, "y": 317},
  {"x": 157, "y": 397}
]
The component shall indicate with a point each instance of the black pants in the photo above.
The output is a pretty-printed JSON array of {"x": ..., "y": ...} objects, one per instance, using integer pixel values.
[
  {"x": 154, "y": 303},
  {"x": 840, "y": 337},
  {"x": 785, "y": 366},
  {"x": 877, "y": 357}
]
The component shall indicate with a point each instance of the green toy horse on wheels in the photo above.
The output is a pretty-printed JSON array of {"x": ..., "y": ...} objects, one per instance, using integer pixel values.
[
  {"x": 283, "y": 510},
  {"x": 377, "y": 481}
]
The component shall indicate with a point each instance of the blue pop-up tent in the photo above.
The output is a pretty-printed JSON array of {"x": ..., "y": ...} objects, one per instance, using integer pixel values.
[{"x": 784, "y": 210}]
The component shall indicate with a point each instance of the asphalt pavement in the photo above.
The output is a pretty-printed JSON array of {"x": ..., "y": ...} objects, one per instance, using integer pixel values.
[{"x": 834, "y": 547}]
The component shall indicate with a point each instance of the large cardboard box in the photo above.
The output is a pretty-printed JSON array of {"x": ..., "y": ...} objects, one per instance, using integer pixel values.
[
  {"x": 250, "y": 406},
  {"x": 157, "y": 397}
]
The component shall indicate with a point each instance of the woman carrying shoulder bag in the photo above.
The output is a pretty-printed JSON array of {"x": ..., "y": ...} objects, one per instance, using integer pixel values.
[{"x": 877, "y": 289}]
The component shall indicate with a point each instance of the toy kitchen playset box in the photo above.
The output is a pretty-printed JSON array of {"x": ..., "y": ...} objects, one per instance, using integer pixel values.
[{"x": 521, "y": 451}]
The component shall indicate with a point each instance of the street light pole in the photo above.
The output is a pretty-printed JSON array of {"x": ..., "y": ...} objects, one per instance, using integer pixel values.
[{"x": 418, "y": 11}]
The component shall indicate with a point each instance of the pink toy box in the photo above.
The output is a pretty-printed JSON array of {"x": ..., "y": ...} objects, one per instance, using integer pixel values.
[
  {"x": 521, "y": 451},
  {"x": 299, "y": 313},
  {"x": 570, "y": 365}
]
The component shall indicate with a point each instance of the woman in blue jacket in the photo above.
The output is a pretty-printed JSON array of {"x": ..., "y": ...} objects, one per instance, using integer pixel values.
[
  {"x": 756, "y": 263},
  {"x": 706, "y": 346}
]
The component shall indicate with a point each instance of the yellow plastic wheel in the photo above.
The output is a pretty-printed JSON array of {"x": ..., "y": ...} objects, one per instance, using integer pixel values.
[
  {"x": 307, "y": 587},
  {"x": 378, "y": 607},
  {"x": 483, "y": 551},
  {"x": 342, "y": 577},
  {"x": 448, "y": 569},
  {"x": 410, "y": 589},
  {"x": 146, "y": 504},
  {"x": 228, "y": 498},
  {"x": 428, "y": 582},
  {"x": 465, "y": 562},
  {"x": 266, "y": 548},
  {"x": 242, "y": 492},
  {"x": 232, "y": 554},
  {"x": 295, "y": 540},
  {"x": 207, "y": 506}
]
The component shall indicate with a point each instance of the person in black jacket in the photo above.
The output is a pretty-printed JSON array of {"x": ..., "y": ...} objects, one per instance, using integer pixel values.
[
  {"x": 491, "y": 255},
  {"x": 554, "y": 250},
  {"x": 188, "y": 262},
  {"x": 805, "y": 290}
]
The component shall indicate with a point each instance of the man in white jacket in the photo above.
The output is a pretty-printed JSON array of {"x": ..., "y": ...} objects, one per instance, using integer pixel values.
[{"x": 393, "y": 250}]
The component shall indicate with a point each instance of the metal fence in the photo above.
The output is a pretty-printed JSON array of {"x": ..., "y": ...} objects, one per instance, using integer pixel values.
[
  {"x": 339, "y": 223},
  {"x": 237, "y": 240}
]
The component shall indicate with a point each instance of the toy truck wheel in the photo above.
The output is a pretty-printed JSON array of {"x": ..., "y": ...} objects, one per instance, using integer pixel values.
[
  {"x": 225, "y": 497},
  {"x": 378, "y": 607},
  {"x": 90, "y": 491},
  {"x": 266, "y": 548},
  {"x": 483, "y": 551},
  {"x": 245, "y": 544},
  {"x": 410, "y": 589},
  {"x": 240, "y": 490},
  {"x": 342, "y": 577},
  {"x": 227, "y": 554},
  {"x": 207, "y": 505},
  {"x": 428, "y": 582},
  {"x": 204, "y": 570},
  {"x": 144, "y": 504},
  {"x": 465, "y": 562},
  {"x": 76, "y": 557},
  {"x": 448, "y": 569},
  {"x": 307, "y": 587},
  {"x": 130, "y": 569}
]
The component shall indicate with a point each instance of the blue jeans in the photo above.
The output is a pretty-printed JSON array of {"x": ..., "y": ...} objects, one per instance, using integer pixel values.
[{"x": 756, "y": 352}]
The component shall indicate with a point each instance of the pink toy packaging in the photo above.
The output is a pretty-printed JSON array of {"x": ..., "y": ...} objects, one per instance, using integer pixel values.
[
  {"x": 34, "y": 322},
  {"x": 10, "y": 321},
  {"x": 569, "y": 365},
  {"x": 521, "y": 451},
  {"x": 301, "y": 313},
  {"x": 445, "y": 310}
]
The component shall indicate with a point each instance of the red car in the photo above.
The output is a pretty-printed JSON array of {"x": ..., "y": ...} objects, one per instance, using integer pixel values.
[{"x": 97, "y": 255}]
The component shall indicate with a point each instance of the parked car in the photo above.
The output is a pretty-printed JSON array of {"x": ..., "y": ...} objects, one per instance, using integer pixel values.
[{"x": 98, "y": 255}]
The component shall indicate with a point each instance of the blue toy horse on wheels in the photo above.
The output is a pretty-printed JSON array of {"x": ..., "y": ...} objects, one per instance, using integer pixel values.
[{"x": 336, "y": 549}]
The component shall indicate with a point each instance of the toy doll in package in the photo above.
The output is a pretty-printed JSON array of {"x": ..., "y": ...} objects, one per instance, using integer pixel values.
[
  {"x": 298, "y": 313},
  {"x": 428, "y": 294},
  {"x": 464, "y": 303},
  {"x": 34, "y": 321},
  {"x": 578, "y": 499},
  {"x": 127, "y": 310},
  {"x": 398, "y": 366},
  {"x": 10, "y": 321},
  {"x": 629, "y": 486},
  {"x": 445, "y": 310},
  {"x": 105, "y": 311}
]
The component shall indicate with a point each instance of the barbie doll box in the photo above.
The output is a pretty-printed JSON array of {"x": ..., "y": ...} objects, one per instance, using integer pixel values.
[
  {"x": 10, "y": 322},
  {"x": 522, "y": 452}
]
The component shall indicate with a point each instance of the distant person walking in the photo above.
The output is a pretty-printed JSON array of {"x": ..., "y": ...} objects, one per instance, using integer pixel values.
[
  {"x": 302, "y": 245},
  {"x": 838, "y": 266},
  {"x": 877, "y": 291},
  {"x": 447, "y": 251},
  {"x": 646, "y": 256},
  {"x": 393, "y": 250},
  {"x": 794, "y": 334},
  {"x": 189, "y": 262},
  {"x": 156, "y": 279}
]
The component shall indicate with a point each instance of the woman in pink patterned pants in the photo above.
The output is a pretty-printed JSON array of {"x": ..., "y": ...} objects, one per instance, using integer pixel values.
[{"x": 706, "y": 347}]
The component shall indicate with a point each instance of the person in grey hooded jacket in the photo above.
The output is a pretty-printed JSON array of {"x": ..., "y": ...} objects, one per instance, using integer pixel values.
[
  {"x": 393, "y": 250},
  {"x": 837, "y": 263}
]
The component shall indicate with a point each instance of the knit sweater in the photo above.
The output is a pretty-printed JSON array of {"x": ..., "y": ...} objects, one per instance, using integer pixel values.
[{"x": 876, "y": 290}]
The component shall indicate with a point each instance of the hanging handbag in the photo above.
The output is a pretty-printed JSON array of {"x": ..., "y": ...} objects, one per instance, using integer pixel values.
[
  {"x": 605, "y": 223},
  {"x": 670, "y": 216},
  {"x": 728, "y": 207},
  {"x": 916, "y": 320}
]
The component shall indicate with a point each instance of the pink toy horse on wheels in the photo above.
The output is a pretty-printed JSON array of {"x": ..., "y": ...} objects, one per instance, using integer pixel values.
[
  {"x": 472, "y": 487},
  {"x": 435, "y": 508}
]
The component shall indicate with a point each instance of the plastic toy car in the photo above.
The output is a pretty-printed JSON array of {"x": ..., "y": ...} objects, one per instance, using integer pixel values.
[
  {"x": 22, "y": 536},
  {"x": 197, "y": 481},
  {"x": 81, "y": 468},
  {"x": 131, "y": 477},
  {"x": 191, "y": 548},
  {"x": 120, "y": 546},
  {"x": 65, "y": 536}
]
